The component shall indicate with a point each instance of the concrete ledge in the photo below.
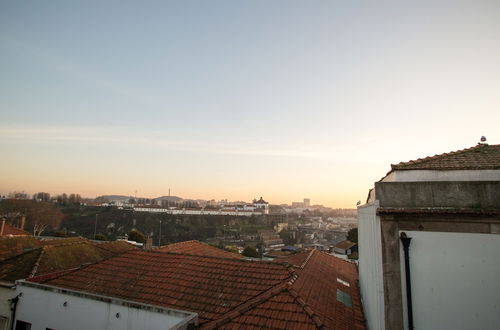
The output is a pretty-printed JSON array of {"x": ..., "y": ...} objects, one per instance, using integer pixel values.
[{"x": 456, "y": 194}]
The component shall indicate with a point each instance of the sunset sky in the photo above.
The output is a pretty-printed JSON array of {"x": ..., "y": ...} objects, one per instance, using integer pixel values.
[{"x": 240, "y": 99}]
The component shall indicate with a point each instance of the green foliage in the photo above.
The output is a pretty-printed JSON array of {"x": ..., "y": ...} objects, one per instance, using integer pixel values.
[
  {"x": 353, "y": 255},
  {"x": 352, "y": 235},
  {"x": 136, "y": 236},
  {"x": 100, "y": 237},
  {"x": 250, "y": 252}
]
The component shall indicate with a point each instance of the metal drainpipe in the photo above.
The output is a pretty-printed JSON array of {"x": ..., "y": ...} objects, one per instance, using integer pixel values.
[
  {"x": 406, "y": 248},
  {"x": 13, "y": 308}
]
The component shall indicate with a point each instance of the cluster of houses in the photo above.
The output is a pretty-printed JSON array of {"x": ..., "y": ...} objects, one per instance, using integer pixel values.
[{"x": 429, "y": 236}]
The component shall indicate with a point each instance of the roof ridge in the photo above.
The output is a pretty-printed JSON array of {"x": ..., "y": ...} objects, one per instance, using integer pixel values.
[
  {"x": 307, "y": 259},
  {"x": 309, "y": 311},
  {"x": 247, "y": 305},
  {"x": 208, "y": 256},
  {"x": 429, "y": 158},
  {"x": 37, "y": 263},
  {"x": 20, "y": 254}
]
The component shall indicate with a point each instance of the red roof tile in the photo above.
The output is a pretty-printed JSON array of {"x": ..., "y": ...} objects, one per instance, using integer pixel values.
[
  {"x": 228, "y": 293},
  {"x": 296, "y": 260},
  {"x": 480, "y": 157},
  {"x": 317, "y": 284},
  {"x": 210, "y": 286},
  {"x": 9, "y": 230},
  {"x": 198, "y": 248}
]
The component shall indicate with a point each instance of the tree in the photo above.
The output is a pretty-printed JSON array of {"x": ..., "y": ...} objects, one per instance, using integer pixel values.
[
  {"x": 352, "y": 235},
  {"x": 41, "y": 197},
  {"x": 250, "y": 252},
  {"x": 136, "y": 236},
  {"x": 100, "y": 237},
  {"x": 39, "y": 216}
]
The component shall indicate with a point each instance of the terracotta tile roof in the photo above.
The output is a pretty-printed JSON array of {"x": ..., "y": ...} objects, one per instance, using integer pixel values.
[
  {"x": 9, "y": 230},
  {"x": 297, "y": 259},
  {"x": 281, "y": 311},
  {"x": 210, "y": 286},
  {"x": 198, "y": 248},
  {"x": 480, "y": 157},
  {"x": 317, "y": 285},
  {"x": 228, "y": 293},
  {"x": 64, "y": 240},
  {"x": 51, "y": 258},
  {"x": 116, "y": 246},
  {"x": 15, "y": 245}
]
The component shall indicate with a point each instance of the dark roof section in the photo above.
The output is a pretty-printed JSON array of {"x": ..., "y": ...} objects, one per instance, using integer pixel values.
[
  {"x": 52, "y": 258},
  {"x": 198, "y": 248},
  {"x": 15, "y": 245},
  {"x": 480, "y": 157}
]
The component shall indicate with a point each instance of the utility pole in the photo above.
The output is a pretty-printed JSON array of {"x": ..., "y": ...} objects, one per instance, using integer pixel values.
[
  {"x": 95, "y": 225},
  {"x": 159, "y": 236}
]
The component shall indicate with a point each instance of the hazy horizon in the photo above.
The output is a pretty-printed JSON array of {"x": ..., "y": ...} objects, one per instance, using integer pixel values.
[{"x": 239, "y": 99}]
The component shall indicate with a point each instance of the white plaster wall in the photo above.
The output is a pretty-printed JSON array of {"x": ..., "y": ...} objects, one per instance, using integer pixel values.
[
  {"x": 455, "y": 280},
  {"x": 430, "y": 175},
  {"x": 370, "y": 266},
  {"x": 5, "y": 295},
  {"x": 44, "y": 309}
]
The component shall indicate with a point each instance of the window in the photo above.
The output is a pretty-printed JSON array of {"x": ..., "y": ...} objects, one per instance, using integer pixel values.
[
  {"x": 21, "y": 325},
  {"x": 344, "y": 298}
]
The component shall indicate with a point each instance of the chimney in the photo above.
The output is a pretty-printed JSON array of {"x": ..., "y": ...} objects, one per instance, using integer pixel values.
[
  {"x": 1, "y": 228},
  {"x": 149, "y": 243},
  {"x": 23, "y": 222}
]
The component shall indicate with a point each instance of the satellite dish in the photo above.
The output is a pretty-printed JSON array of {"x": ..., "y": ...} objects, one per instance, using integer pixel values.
[{"x": 483, "y": 139}]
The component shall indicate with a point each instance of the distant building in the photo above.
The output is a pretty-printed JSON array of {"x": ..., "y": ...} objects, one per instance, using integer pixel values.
[
  {"x": 261, "y": 205},
  {"x": 429, "y": 236},
  {"x": 345, "y": 247}
]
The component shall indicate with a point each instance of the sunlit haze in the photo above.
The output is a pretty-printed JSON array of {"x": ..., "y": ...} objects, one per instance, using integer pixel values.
[{"x": 240, "y": 99}]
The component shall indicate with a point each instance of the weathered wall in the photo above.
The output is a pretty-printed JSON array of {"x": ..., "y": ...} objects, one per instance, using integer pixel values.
[
  {"x": 479, "y": 194},
  {"x": 45, "y": 309}
]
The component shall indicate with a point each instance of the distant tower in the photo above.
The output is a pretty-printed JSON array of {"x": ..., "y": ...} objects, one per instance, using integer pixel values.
[{"x": 307, "y": 202}]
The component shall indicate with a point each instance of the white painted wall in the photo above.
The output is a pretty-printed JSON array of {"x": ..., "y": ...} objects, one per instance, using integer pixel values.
[
  {"x": 5, "y": 295},
  {"x": 430, "y": 175},
  {"x": 455, "y": 280},
  {"x": 44, "y": 309},
  {"x": 370, "y": 266}
]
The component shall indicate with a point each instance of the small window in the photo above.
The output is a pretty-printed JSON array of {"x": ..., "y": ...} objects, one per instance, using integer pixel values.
[
  {"x": 21, "y": 325},
  {"x": 343, "y": 282},
  {"x": 344, "y": 298}
]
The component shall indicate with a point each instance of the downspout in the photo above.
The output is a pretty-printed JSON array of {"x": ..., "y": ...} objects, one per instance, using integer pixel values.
[
  {"x": 406, "y": 248},
  {"x": 13, "y": 307}
]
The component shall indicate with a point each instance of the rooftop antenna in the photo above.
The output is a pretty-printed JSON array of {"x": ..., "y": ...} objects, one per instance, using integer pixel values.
[{"x": 168, "y": 191}]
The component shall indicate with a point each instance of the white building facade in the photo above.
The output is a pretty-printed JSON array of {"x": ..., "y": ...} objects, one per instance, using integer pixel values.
[{"x": 42, "y": 307}]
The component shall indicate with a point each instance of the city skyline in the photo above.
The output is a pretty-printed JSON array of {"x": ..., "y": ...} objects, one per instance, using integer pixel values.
[{"x": 235, "y": 99}]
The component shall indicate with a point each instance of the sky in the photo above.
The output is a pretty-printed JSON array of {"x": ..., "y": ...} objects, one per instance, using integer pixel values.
[{"x": 240, "y": 99}]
